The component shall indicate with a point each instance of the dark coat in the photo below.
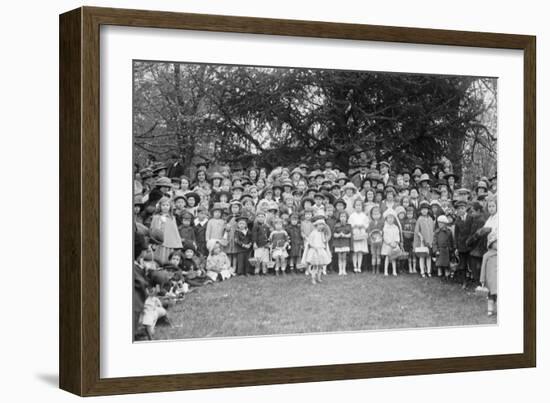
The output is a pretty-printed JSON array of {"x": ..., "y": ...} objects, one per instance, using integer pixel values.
[
  {"x": 463, "y": 229},
  {"x": 175, "y": 170},
  {"x": 443, "y": 246},
  {"x": 242, "y": 240},
  {"x": 477, "y": 242},
  {"x": 296, "y": 241},
  {"x": 188, "y": 234},
  {"x": 342, "y": 242},
  {"x": 200, "y": 238},
  {"x": 260, "y": 234}
]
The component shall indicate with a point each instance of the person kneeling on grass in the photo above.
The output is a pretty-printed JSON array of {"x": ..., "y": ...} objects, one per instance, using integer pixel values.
[
  {"x": 488, "y": 275},
  {"x": 316, "y": 250},
  {"x": 218, "y": 265}
]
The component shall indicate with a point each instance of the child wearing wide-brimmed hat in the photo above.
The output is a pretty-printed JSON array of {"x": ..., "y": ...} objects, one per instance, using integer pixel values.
[
  {"x": 317, "y": 254},
  {"x": 391, "y": 235}
]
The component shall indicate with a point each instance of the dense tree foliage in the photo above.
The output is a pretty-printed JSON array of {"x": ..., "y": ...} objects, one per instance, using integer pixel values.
[{"x": 282, "y": 116}]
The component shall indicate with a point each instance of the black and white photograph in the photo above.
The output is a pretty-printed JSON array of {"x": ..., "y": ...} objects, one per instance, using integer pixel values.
[{"x": 283, "y": 201}]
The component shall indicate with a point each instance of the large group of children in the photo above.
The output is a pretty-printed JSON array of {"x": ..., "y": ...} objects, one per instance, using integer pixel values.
[{"x": 225, "y": 222}]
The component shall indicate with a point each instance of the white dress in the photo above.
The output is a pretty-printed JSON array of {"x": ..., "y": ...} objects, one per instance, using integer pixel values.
[
  {"x": 317, "y": 250},
  {"x": 359, "y": 223}
]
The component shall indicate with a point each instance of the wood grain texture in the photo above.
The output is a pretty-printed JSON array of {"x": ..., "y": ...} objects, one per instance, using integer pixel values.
[
  {"x": 80, "y": 196},
  {"x": 70, "y": 271}
]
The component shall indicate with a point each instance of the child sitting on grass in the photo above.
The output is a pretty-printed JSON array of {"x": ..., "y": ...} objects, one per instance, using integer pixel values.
[
  {"x": 217, "y": 264},
  {"x": 152, "y": 312}
]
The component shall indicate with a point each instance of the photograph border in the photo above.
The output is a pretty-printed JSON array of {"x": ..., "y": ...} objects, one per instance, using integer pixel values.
[{"x": 79, "y": 175}]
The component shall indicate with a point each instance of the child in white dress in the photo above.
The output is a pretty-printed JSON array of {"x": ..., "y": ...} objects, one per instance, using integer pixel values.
[{"x": 317, "y": 250}]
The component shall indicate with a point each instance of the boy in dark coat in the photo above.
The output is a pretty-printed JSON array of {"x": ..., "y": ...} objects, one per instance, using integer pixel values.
[
  {"x": 186, "y": 230},
  {"x": 443, "y": 246},
  {"x": 200, "y": 230},
  {"x": 463, "y": 225},
  {"x": 477, "y": 240}
]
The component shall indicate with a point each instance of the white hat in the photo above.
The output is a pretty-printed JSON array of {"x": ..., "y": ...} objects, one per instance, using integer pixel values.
[{"x": 443, "y": 219}]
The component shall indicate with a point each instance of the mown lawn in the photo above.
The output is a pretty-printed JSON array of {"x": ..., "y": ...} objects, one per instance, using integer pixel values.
[{"x": 261, "y": 305}]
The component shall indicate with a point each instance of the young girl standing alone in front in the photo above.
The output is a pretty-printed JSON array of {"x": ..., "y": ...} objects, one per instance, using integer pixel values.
[
  {"x": 317, "y": 254},
  {"x": 342, "y": 241},
  {"x": 359, "y": 223}
]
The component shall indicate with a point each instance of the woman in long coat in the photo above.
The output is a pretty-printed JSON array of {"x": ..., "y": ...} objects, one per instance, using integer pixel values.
[{"x": 489, "y": 274}]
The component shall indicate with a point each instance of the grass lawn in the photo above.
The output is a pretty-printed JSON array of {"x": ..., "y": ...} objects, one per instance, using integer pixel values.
[{"x": 261, "y": 305}]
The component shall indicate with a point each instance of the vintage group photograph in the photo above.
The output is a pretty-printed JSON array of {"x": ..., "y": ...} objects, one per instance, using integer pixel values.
[{"x": 279, "y": 200}]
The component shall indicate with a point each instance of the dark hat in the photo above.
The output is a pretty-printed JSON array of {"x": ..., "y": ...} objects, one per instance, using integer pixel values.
[
  {"x": 242, "y": 218},
  {"x": 341, "y": 201},
  {"x": 175, "y": 180},
  {"x": 193, "y": 195},
  {"x": 335, "y": 186},
  {"x": 238, "y": 187},
  {"x": 319, "y": 194},
  {"x": 223, "y": 192},
  {"x": 146, "y": 173},
  {"x": 188, "y": 245},
  {"x": 187, "y": 216},
  {"x": 276, "y": 185},
  {"x": 311, "y": 189},
  {"x": 307, "y": 199},
  {"x": 418, "y": 166},
  {"x": 447, "y": 176},
  {"x": 424, "y": 204},
  {"x": 458, "y": 203},
  {"x": 202, "y": 165},
  {"x": 163, "y": 182},
  {"x": 158, "y": 168},
  {"x": 180, "y": 195}
]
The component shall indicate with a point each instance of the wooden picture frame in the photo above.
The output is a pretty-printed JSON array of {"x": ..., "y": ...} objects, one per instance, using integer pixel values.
[{"x": 79, "y": 346}]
